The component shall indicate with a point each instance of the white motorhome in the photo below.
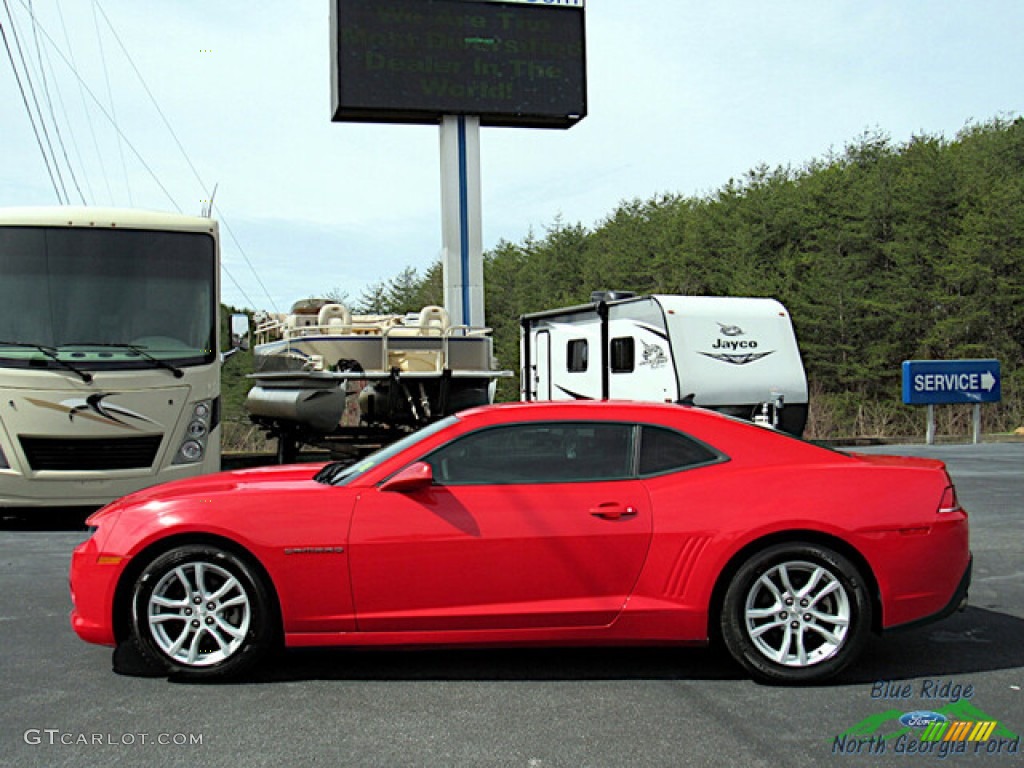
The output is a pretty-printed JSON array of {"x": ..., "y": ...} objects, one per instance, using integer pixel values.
[{"x": 735, "y": 355}]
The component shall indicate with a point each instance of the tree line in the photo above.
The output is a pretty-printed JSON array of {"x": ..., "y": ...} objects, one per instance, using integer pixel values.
[{"x": 882, "y": 252}]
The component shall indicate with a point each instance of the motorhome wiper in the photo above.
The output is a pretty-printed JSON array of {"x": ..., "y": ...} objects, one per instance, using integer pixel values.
[
  {"x": 51, "y": 353},
  {"x": 178, "y": 373}
]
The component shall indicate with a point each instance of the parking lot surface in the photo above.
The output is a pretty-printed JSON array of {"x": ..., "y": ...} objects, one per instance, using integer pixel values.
[{"x": 62, "y": 705}]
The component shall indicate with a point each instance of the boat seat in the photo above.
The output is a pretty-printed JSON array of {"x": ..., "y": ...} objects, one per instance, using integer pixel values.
[
  {"x": 433, "y": 318},
  {"x": 334, "y": 318}
]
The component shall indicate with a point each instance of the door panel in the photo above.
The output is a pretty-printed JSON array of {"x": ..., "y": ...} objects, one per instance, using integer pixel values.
[{"x": 498, "y": 556}]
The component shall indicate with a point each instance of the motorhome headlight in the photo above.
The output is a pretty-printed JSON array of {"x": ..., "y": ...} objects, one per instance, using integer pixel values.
[
  {"x": 193, "y": 446},
  {"x": 191, "y": 451}
]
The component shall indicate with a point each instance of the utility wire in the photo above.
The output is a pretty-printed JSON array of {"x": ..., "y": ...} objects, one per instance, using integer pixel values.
[
  {"x": 238, "y": 245},
  {"x": 110, "y": 96},
  {"x": 76, "y": 150},
  {"x": 44, "y": 140},
  {"x": 28, "y": 110},
  {"x": 84, "y": 88},
  {"x": 86, "y": 111},
  {"x": 188, "y": 160},
  {"x": 49, "y": 103},
  {"x": 106, "y": 114},
  {"x": 152, "y": 98},
  {"x": 241, "y": 290}
]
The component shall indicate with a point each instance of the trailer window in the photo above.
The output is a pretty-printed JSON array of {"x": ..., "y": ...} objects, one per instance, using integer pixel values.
[
  {"x": 576, "y": 355},
  {"x": 623, "y": 355}
]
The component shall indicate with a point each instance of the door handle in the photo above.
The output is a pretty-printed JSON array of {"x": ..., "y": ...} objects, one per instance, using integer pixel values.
[{"x": 612, "y": 510}]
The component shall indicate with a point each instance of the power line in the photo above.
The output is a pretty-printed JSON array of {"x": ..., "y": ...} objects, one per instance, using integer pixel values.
[
  {"x": 84, "y": 88},
  {"x": 188, "y": 160},
  {"x": 255, "y": 274},
  {"x": 49, "y": 102},
  {"x": 44, "y": 140},
  {"x": 24, "y": 99},
  {"x": 87, "y": 112},
  {"x": 110, "y": 96},
  {"x": 104, "y": 112}
]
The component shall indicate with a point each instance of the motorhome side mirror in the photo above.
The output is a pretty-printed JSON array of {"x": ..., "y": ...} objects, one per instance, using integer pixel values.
[
  {"x": 415, "y": 477},
  {"x": 241, "y": 330}
]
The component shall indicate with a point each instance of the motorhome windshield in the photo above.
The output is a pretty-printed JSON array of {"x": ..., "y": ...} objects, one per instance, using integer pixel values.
[{"x": 102, "y": 299}]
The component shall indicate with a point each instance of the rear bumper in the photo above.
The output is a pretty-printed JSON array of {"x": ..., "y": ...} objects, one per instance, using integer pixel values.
[{"x": 956, "y": 603}]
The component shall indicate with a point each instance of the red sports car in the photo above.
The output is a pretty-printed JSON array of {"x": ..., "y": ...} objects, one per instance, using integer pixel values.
[{"x": 534, "y": 524}]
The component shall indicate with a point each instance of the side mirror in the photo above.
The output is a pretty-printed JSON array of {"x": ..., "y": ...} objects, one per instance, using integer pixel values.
[
  {"x": 240, "y": 331},
  {"x": 415, "y": 477}
]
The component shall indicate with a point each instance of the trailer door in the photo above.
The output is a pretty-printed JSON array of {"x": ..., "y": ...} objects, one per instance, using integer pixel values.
[{"x": 542, "y": 366}]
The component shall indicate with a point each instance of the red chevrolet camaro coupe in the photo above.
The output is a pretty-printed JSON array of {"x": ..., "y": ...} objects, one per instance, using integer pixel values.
[{"x": 534, "y": 524}]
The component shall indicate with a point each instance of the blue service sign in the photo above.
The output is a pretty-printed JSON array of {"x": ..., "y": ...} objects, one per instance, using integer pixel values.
[{"x": 938, "y": 382}]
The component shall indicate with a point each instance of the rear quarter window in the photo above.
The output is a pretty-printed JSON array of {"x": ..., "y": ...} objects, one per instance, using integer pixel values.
[{"x": 665, "y": 450}]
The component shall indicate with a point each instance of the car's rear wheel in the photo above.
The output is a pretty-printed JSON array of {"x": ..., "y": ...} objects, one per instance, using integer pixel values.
[
  {"x": 201, "y": 612},
  {"x": 796, "y": 613}
]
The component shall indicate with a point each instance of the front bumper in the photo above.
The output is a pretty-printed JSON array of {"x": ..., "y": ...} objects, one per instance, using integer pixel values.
[{"x": 93, "y": 581}]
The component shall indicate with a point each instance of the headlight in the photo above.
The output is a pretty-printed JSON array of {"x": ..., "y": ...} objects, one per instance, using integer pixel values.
[
  {"x": 193, "y": 447},
  {"x": 191, "y": 451}
]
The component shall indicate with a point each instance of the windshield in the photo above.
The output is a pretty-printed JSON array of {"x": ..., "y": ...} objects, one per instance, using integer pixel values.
[
  {"x": 104, "y": 298},
  {"x": 340, "y": 473}
]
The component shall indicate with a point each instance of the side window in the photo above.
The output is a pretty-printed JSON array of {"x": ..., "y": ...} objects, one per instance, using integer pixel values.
[
  {"x": 623, "y": 354},
  {"x": 576, "y": 355},
  {"x": 536, "y": 453},
  {"x": 664, "y": 450}
]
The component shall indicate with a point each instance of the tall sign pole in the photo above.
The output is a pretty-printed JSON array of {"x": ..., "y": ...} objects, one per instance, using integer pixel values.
[{"x": 462, "y": 239}]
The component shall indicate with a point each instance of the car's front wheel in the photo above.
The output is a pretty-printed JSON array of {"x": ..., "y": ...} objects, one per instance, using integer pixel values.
[
  {"x": 201, "y": 612},
  {"x": 796, "y": 613}
]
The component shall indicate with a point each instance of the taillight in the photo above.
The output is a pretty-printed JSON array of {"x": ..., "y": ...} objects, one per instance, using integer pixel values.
[{"x": 949, "y": 502}]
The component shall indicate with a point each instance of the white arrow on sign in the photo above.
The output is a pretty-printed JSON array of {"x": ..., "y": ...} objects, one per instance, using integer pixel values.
[{"x": 987, "y": 381}]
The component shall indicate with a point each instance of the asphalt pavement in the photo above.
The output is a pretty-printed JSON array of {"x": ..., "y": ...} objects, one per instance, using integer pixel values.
[{"x": 62, "y": 705}]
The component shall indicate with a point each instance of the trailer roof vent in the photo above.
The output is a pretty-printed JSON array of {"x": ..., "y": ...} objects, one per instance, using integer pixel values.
[{"x": 597, "y": 296}]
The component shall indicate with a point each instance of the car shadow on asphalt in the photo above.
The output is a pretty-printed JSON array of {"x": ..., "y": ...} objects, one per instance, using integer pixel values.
[
  {"x": 45, "y": 518},
  {"x": 976, "y": 640},
  {"x": 972, "y": 641},
  {"x": 532, "y": 664}
]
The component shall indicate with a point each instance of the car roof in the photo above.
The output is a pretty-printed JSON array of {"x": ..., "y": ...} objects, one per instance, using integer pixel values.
[{"x": 628, "y": 410}]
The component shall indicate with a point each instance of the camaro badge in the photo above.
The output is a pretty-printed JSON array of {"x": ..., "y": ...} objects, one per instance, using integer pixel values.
[{"x": 93, "y": 408}]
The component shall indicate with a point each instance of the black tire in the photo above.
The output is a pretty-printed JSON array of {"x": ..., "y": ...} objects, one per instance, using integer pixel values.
[
  {"x": 796, "y": 613},
  {"x": 202, "y": 613}
]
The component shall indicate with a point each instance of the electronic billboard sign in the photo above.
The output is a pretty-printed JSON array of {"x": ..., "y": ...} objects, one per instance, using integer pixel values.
[{"x": 512, "y": 62}]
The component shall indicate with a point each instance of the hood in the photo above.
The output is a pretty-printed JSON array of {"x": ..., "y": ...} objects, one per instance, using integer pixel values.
[{"x": 225, "y": 482}]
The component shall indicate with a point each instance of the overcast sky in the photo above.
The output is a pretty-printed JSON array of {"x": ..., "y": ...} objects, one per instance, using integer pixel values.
[{"x": 682, "y": 97}]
